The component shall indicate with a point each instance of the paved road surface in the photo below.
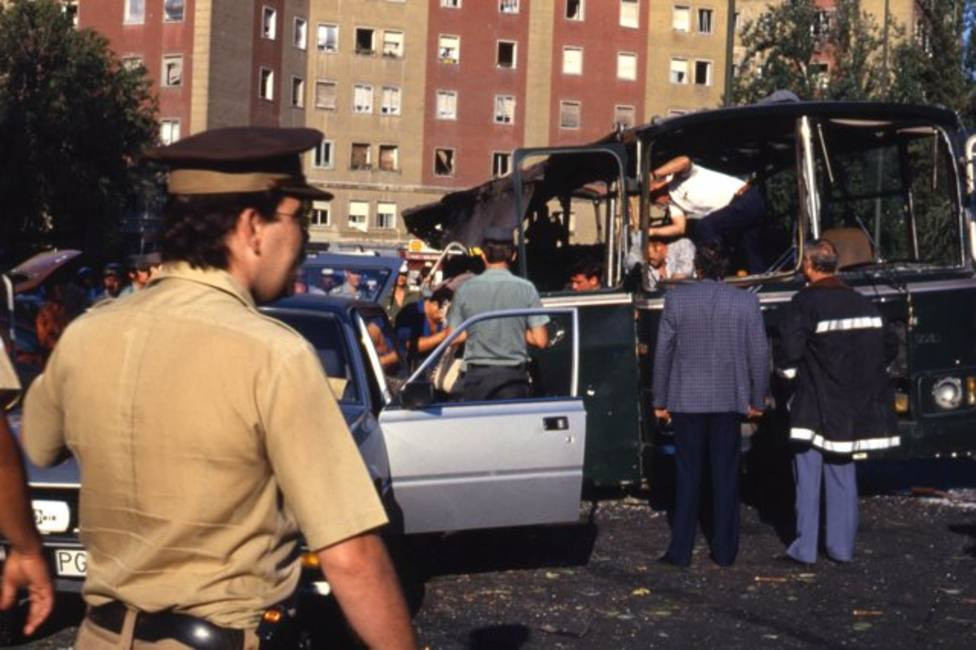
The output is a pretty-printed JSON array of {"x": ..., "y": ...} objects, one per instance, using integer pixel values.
[{"x": 597, "y": 585}]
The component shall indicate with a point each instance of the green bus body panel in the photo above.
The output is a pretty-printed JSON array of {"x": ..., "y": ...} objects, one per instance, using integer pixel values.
[{"x": 608, "y": 384}]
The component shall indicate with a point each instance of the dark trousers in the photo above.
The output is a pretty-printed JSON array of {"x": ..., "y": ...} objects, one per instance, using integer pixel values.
[
  {"x": 736, "y": 225},
  {"x": 698, "y": 436},
  {"x": 495, "y": 383}
]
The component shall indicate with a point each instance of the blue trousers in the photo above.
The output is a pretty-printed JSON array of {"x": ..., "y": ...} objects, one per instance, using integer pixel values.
[
  {"x": 840, "y": 495},
  {"x": 698, "y": 436},
  {"x": 736, "y": 225}
]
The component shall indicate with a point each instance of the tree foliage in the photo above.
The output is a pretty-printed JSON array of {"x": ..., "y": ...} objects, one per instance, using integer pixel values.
[
  {"x": 928, "y": 63},
  {"x": 72, "y": 121}
]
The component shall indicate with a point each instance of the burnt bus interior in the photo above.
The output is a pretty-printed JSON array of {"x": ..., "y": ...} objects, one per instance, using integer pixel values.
[{"x": 881, "y": 181}]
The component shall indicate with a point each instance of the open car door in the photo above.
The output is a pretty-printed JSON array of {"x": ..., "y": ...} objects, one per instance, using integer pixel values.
[{"x": 457, "y": 465}]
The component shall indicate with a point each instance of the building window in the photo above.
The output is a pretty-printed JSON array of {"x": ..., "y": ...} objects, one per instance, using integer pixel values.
[
  {"x": 626, "y": 66},
  {"x": 504, "y": 109},
  {"x": 358, "y": 215},
  {"x": 821, "y": 24},
  {"x": 360, "y": 158},
  {"x": 266, "y": 84},
  {"x": 297, "y": 92},
  {"x": 630, "y": 13},
  {"x": 443, "y": 162},
  {"x": 572, "y": 60},
  {"x": 327, "y": 38},
  {"x": 448, "y": 48},
  {"x": 386, "y": 215},
  {"x": 364, "y": 40},
  {"x": 508, "y": 6},
  {"x": 362, "y": 98},
  {"x": 447, "y": 104},
  {"x": 574, "y": 9},
  {"x": 623, "y": 116},
  {"x": 392, "y": 43},
  {"x": 135, "y": 12},
  {"x": 173, "y": 11},
  {"x": 173, "y": 70},
  {"x": 679, "y": 71},
  {"x": 325, "y": 95},
  {"x": 505, "y": 54},
  {"x": 300, "y": 36},
  {"x": 169, "y": 131},
  {"x": 269, "y": 23},
  {"x": 681, "y": 18},
  {"x": 451, "y": 4},
  {"x": 389, "y": 157},
  {"x": 704, "y": 21},
  {"x": 501, "y": 163},
  {"x": 322, "y": 155},
  {"x": 820, "y": 72},
  {"x": 703, "y": 73},
  {"x": 390, "y": 104},
  {"x": 569, "y": 115},
  {"x": 321, "y": 213}
]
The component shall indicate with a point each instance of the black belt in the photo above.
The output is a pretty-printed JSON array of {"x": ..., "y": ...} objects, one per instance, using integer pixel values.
[
  {"x": 495, "y": 366},
  {"x": 191, "y": 631}
]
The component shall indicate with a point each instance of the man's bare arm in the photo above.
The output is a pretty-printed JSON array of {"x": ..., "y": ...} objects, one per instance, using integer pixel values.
[
  {"x": 366, "y": 586},
  {"x": 678, "y": 165},
  {"x": 677, "y": 227},
  {"x": 25, "y": 566},
  {"x": 537, "y": 336}
]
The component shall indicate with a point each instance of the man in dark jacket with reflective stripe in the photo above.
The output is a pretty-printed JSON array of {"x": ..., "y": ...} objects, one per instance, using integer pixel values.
[{"x": 833, "y": 347}]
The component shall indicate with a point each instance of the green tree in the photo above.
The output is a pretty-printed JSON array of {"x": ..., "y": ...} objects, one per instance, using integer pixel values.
[
  {"x": 929, "y": 63},
  {"x": 73, "y": 120}
]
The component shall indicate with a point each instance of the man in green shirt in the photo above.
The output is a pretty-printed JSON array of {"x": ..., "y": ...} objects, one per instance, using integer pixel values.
[{"x": 495, "y": 352}]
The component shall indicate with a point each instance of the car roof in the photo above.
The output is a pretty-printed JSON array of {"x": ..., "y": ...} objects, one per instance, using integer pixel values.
[{"x": 320, "y": 303}]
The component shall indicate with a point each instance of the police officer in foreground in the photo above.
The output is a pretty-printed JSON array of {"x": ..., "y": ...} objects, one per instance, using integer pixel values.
[{"x": 206, "y": 433}]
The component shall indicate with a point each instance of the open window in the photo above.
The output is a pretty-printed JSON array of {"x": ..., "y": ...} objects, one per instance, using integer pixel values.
[{"x": 458, "y": 465}]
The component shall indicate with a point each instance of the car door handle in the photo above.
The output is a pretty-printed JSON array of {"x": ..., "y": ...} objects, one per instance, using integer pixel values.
[{"x": 557, "y": 423}]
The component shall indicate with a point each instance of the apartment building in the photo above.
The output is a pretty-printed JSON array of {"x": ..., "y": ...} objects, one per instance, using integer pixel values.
[{"x": 417, "y": 98}]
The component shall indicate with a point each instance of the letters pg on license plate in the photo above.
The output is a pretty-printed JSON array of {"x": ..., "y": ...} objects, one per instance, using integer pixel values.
[{"x": 70, "y": 562}]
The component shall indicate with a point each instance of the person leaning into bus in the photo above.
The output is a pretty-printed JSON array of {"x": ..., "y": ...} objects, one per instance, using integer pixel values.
[{"x": 726, "y": 209}]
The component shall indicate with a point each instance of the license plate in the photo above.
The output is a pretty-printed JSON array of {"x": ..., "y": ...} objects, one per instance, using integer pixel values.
[
  {"x": 70, "y": 563},
  {"x": 51, "y": 516}
]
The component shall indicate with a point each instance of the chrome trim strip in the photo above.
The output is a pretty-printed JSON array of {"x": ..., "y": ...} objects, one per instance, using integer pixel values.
[{"x": 588, "y": 300}]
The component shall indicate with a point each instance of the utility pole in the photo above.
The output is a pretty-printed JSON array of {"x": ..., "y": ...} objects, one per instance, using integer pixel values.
[{"x": 729, "y": 46}]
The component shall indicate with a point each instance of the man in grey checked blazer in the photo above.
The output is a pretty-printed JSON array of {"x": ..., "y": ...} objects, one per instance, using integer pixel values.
[{"x": 711, "y": 368}]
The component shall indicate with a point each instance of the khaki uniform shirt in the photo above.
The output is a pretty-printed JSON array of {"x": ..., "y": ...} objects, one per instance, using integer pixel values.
[{"x": 207, "y": 436}]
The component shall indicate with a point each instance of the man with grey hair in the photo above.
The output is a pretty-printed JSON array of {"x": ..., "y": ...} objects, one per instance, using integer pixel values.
[{"x": 834, "y": 351}]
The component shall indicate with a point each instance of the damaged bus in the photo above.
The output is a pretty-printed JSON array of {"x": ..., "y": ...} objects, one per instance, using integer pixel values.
[{"x": 890, "y": 185}]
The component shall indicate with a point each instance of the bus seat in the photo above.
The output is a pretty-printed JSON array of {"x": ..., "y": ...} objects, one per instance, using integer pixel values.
[{"x": 853, "y": 246}]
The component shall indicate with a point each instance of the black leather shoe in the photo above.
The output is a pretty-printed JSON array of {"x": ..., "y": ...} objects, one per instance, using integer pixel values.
[
  {"x": 788, "y": 560},
  {"x": 667, "y": 560}
]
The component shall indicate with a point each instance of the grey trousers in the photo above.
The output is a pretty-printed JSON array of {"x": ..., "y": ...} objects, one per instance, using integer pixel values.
[{"x": 840, "y": 507}]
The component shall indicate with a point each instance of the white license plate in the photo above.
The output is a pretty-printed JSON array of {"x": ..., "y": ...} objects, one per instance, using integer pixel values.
[
  {"x": 51, "y": 516},
  {"x": 70, "y": 563}
]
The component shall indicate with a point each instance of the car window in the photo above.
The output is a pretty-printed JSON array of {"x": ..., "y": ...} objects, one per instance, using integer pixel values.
[
  {"x": 541, "y": 372},
  {"x": 325, "y": 335},
  {"x": 359, "y": 282}
]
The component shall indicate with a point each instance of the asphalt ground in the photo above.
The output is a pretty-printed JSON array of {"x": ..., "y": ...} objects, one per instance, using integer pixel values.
[{"x": 598, "y": 584}]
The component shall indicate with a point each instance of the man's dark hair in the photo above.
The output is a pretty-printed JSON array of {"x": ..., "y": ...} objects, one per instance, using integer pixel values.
[
  {"x": 711, "y": 262},
  {"x": 195, "y": 225},
  {"x": 498, "y": 251},
  {"x": 442, "y": 295},
  {"x": 588, "y": 269},
  {"x": 822, "y": 255}
]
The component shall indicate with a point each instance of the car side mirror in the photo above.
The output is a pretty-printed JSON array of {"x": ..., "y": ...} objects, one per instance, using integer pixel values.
[{"x": 417, "y": 394}]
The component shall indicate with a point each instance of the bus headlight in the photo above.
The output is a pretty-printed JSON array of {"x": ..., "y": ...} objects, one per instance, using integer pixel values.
[{"x": 947, "y": 393}]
